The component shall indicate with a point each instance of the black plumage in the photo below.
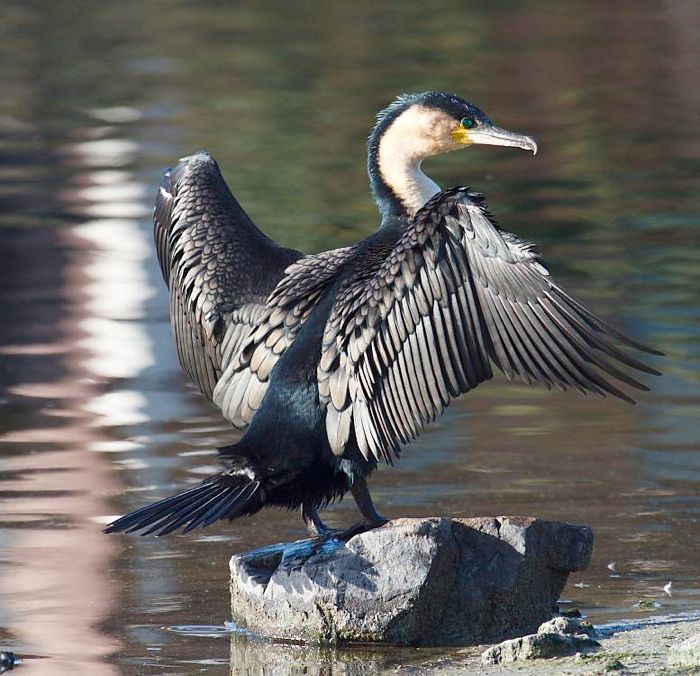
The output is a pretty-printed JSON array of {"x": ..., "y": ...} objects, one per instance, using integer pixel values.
[
  {"x": 219, "y": 267},
  {"x": 334, "y": 360}
]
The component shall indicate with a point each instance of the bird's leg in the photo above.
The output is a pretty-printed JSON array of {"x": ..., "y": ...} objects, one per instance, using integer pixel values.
[
  {"x": 316, "y": 527},
  {"x": 371, "y": 518},
  {"x": 364, "y": 502}
]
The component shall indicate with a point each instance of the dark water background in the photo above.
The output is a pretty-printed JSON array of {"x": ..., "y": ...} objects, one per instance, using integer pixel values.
[{"x": 95, "y": 415}]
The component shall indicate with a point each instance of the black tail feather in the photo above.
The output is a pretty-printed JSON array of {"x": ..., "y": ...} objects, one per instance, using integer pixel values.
[
  {"x": 223, "y": 496},
  {"x": 223, "y": 506}
]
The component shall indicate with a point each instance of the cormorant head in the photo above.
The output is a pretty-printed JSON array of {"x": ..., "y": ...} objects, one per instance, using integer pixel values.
[
  {"x": 416, "y": 126},
  {"x": 433, "y": 123}
]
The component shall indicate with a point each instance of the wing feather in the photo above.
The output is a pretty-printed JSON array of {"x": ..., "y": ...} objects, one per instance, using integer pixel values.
[
  {"x": 242, "y": 386},
  {"x": 218, "y": 266},
  {"x": 424, "y": 324}
]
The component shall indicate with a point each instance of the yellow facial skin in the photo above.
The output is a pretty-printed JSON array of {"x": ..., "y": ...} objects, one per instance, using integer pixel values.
[{"x": 461, "y": 135}]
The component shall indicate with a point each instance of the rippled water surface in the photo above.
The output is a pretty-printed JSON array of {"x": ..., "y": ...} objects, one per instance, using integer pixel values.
[{"x": 96, "y": 417}]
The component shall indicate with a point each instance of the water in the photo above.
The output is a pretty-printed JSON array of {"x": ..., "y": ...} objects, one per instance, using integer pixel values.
[{"x": 96, "y": 417}]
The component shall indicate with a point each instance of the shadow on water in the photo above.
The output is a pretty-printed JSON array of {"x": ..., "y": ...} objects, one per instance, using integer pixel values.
[{"x": 95, "y": 417}]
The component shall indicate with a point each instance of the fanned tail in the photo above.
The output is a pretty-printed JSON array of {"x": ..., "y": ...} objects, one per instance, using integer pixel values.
[{"x": 224, "y": 496}]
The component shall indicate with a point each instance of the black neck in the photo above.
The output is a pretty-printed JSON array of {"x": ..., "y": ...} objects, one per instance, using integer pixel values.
[{"x": 390, "y": 206}]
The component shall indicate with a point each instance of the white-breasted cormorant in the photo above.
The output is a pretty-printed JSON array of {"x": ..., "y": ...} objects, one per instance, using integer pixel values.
[{"x": 334, "y": 360}]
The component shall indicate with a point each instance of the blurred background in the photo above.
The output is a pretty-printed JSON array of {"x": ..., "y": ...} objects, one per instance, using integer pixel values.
[{"x": 96, "y": 417}]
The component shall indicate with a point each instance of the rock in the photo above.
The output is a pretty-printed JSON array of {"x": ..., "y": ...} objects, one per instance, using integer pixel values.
[
  {"x": 8, "y": 660},
  {"x": 686, "y": 653},
  {"x": 433, "y": 581},
  {"x": 567, "y": 625},
  {"x": 558, "y": 637},
  {"x": 538, "y": 646}
]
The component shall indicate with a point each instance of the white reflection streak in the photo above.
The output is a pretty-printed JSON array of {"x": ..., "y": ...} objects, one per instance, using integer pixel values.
[
  {"x": 106, "y": 152},
  {"x": 58, "y": 591},
  {"x": 125, "y": 407},
  {"x": 117, "y": 285}
]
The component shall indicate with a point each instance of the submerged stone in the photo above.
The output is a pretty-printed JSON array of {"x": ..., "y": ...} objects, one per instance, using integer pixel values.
[{"x": 434, "y": 581}]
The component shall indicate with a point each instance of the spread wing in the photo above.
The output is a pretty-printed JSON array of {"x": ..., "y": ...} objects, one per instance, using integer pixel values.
[
  {"x": 244, "y": 382},
  {"x": 218, "y": 266},
  {"x": 456, "y": 294}
]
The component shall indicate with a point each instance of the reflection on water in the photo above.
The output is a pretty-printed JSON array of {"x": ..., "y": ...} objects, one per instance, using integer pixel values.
[{"x": 96, "y": 418}]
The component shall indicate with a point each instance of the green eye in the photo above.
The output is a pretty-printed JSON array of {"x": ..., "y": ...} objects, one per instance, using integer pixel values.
[{"x": 467, "y": 122}]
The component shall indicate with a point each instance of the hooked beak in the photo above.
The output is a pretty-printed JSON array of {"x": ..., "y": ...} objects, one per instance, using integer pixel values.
[{"x": 495, "y": 136}]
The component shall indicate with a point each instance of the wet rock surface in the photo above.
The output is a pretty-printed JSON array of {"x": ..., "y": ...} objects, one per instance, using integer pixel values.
[
  {"x": 559, "y": 637},
  {"x": 434, "y": 581},
  {"x": 686, "y": 653}
]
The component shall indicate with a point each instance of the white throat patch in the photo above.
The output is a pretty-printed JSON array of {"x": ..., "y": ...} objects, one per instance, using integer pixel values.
[{"x": 414, "y": 135}]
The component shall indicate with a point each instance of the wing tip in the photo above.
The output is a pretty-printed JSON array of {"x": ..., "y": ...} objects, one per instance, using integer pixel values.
[
  {"x": 641, "y": 347},
  {"x": 199, "y": 157},
  {"x": 199, "y": 166},
  {"x": 652, "y": 350}
]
